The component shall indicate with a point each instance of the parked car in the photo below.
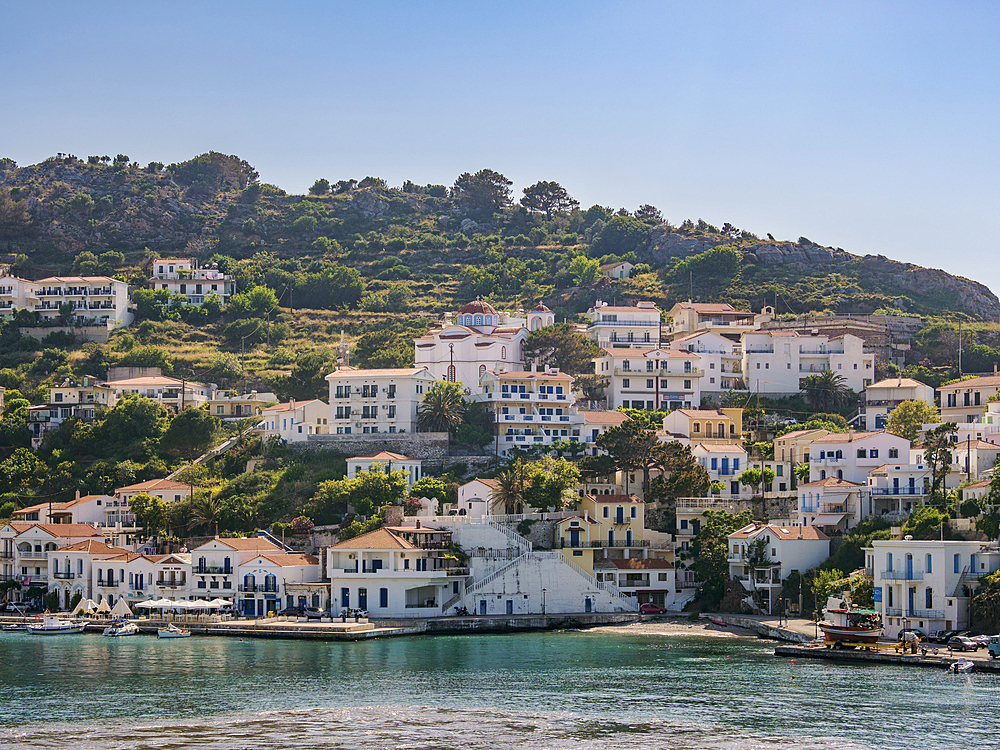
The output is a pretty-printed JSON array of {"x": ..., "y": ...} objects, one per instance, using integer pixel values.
[
  {"x": 994, "y": 648},
  {"x": 313, "y": 613},
  {"x": 290, "y": 612},
  {"x": 938, "y": 636},
  {"x": 961, "y": 643},
  {"x": 651, "y": 609}
]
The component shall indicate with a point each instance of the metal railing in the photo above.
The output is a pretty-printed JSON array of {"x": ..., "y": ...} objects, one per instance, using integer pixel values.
[{"x": 902, "y": 575}]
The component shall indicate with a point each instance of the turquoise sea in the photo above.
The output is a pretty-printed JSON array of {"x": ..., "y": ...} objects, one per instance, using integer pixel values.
[{"x": 536, "y": 690}]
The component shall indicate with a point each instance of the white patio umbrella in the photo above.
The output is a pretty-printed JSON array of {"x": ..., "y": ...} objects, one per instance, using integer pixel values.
[
  {"x": 220, "y": 602},
  {"x": 121, "y": 609},
  {"x": 87, "y": 605},
  {"x": 148, "y": 604},
  {"x": 200, "y": 604},
  {"x": 104, "y": 606}
]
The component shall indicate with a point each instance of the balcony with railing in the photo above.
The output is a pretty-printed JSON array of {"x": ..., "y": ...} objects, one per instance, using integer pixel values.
[
  {"x": 926, "y": 614},
  {"x": 203, "y": 569},
  {"x": 903, "y": 575},
  {"x": 625, "y": 323},
  {"x": 64, "y": 575},
  {"x": 171, "y": 583},
  {"x": 898, "y": 491},
  {"x": 259, "y": 588},
  {"x": 108, "y": 583}
]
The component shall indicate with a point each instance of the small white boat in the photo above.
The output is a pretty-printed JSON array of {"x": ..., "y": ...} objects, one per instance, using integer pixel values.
[
  {"x": 120, "y": 628},
  {"x": 172, "y": 631},
  {"x": 53, "y": 625},
  {"x": 962, "y": 666},
  {"x": 15, "y": 628}
]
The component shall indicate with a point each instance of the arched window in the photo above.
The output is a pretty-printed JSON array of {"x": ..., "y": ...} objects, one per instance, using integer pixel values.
[
  {"x": 503, "y": 352},
  {"x": 958, "y": 564},
  {"x": 270, "y": 582},
  {"x": 248, "y": 582},
  {"x": 927, "y": 564},
  {"x": 482, "y": 370},
  {"x": 840, "y": 473},
  {"x": 479, "y": 320},
  {"x": 822, "y": 474},
  {"x": 451, "y": 373},
  {"x": 929, "y": 598}
]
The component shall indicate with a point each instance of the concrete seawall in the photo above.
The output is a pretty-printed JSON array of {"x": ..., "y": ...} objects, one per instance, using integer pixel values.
[
  {"x": 856, "y": 655},
  {"x": 764, "y": 629}
]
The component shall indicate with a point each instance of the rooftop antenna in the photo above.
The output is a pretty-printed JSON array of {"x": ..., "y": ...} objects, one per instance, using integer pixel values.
[
  {"x": 960, "y": 348},
  {"x": 690, "y": 287}
]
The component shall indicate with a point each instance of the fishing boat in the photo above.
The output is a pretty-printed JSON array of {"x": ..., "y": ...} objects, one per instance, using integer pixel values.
[
  {"x": 842, "y": 623},
  {"x": 53, "y": 625},
  {"x": 120, "y": 628},
  {"x": 172, "y": 631},
  {"x": 16, "y": 628},
  {"x": 720, "y": 623},
  {"x": 962, "y": 666}
]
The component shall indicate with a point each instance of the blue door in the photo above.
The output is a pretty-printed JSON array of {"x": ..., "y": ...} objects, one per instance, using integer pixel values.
[
  {"x": 913, "y": 592},
  {"x": 482, "y": 606},
  {"x": 248, "y": 607},
  {"x": 909, "y": 567},
  {"x": 345, "y": 598},
  {"x": 587, "y": 605},
  {"x": 363, "y": 599}
]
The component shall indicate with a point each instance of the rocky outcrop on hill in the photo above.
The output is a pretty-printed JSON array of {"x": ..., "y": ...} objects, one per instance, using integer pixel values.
[{"x": 809, "y": 259}]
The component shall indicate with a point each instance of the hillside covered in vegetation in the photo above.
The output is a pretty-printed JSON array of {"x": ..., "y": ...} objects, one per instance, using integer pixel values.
[{"x": 361, "y": 245}]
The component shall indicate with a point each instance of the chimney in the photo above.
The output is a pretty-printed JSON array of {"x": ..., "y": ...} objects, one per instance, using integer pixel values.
[
  {"x": 78, "y": 494},
  {"x": 418, "y": 523},
  {"x": 534, "y": 368},
  {"x": 850, "y": 435},
  {"x": 291, "y": 404}
]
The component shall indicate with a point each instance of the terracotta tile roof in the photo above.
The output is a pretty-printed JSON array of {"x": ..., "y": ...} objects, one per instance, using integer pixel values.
[
  {"x": 609, "y": 308},
  {"x": 604, "y": 417},
  {"x": 832, "y": 482},
  {"x": 850, "y": 437},
  {"x": 989, "y": 381},
  {"x": 897, "y": 383},
  {"x": 154, "y": 484},
  {"x": 493, "y": 484},
  {"x": 383, "y": 456},
  {"x": 353, "y": 372},
  {"x": 721, "y": 447},
  {"x": 68, "y": 530},
  {"x": 288, "y": 406},
  {"x": 288, "y": 560},
  {"x": 710, "y": 307},
  {"x": 802, "y": 433},
  {"x": 629, "y": 498},
  {"x": 249, "y": 543},
  {"x": 781, "y": 532},
  {"x": 582, "y": 519},
  {"x": 528, "y": 375},
  {"x": 377, "y": 539},
  {"x": 702, "y": 414},
  {"x": 73, "y": 279},
  {"x": 665, "y": 354},
  {"x": 641, "y": 563},
  {"x": 607, "y": 266},
  {"x": 93, "y": 547},
  {"x": 153, "y": 380}
]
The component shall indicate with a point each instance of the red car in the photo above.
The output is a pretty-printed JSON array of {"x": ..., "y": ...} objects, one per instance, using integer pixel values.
[{"x": 651, "y": 609}]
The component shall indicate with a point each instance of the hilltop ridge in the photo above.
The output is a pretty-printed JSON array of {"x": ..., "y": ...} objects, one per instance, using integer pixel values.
[{"x": 448, "y": 243}]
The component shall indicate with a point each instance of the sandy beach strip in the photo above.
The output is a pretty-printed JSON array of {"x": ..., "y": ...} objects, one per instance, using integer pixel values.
[{"x": 676, "y": 626}]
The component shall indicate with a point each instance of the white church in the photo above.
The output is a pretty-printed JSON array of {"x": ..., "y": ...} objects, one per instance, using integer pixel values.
[{"x": 480, "y": 339}]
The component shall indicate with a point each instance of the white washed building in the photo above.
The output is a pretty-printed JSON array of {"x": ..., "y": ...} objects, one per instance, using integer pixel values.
[
  {"x": 181, "y": 276},
  {"x": 775, "y": 363},
  {"x": 880, "y": 398},
  {"x": 613, "y": 326},
  {"x": 650, "y": 378},
  {"x": 376, "y": 401},
  {"x": 295, "y": 421}
]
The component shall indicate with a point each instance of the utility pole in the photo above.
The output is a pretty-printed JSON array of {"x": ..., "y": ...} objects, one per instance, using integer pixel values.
[{"x": 960, "y": 348}]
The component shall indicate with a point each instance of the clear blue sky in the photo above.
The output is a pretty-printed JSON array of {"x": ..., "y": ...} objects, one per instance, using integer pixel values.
[{"x": 862, "y": 125}]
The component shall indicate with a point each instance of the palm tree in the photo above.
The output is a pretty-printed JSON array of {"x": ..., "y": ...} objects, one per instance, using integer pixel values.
[
  {"x": 442, "y": 409},
  {"x": 825, "y": 390},
  {"x": 205, "y": 510},
  {"x": 511, "y": 483}
]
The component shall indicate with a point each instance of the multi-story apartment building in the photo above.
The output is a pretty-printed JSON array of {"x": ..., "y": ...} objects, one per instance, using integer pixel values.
[
  {"x": 14, "y": 294},
  {"x": 706, "y": 425},
  {"x": 396, "y": 570},
  {"x": 593, "y": 424},
  {"x": 722, "y": 318},
  {"x": 169, "y": 490},
  {"x": 614, "y": 326},
  {"x": 295, "y": 421},
  {"x": 851, "y": 455},
  {"x": 965, "y": 400},
  {"x": 786, "y": 549},
  {"x": 793, "y": 448},
  {"x": 26, "y": 547},
  {"x": 72, "y": 568},
  {"x": 925, "y": 583},
  {"x": 775, "y": 363},
  {"x": 232, "y": 407},
  {"x": 529, "y": 407},
  {"x": 720, "y": 358},
  {"x": 372, "y": 401},
  {"x": 175, "y": 394},
  {"x": 834, "y": 505},
  {"x": 182, "y": 276},
  {"x": 96, "y": 300},
  {"x": 264, "y": 577},
  {"x": 724, "y": 463},
  {"x": 882, "y": 397},
  {"x": 650, "y": 378}
]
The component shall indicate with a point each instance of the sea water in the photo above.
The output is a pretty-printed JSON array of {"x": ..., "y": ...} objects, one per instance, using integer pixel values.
[{"x": 532, "y": 690}]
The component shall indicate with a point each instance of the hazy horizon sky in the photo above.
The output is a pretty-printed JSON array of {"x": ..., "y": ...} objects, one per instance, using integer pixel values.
[{"x": 862, "y": 125}]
